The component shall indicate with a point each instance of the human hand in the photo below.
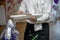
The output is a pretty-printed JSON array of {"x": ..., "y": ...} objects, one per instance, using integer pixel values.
[
  {"x": 33, "y": 19},
  {"x": 19, "y": 12}
]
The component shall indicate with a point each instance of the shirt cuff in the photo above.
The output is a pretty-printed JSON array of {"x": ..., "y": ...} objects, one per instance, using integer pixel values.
[{"x": 43, "y": 18}]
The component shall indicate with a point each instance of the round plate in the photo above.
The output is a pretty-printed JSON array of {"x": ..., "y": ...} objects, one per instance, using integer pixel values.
[{"x": 19, "y": 16}]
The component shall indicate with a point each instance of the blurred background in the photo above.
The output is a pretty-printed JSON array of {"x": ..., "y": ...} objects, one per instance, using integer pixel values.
[{"x": 10, "y": 7}]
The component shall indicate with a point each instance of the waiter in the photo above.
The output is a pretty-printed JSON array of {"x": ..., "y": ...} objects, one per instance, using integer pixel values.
[{"x": 37, "y": 28}]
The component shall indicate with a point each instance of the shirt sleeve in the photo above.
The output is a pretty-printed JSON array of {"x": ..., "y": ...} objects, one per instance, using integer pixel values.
[
  {"x": 23, "y": 6},
  {"x": 46, "y": 11}
]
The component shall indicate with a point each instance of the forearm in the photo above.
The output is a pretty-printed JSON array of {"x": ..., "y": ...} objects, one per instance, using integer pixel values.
[
  {"x": 46, "y": 12},
  {"x": 43, "y": 18}
]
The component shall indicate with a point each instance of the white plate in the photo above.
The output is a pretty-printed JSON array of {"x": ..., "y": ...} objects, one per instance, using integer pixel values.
[
  {"x": 37, "y": 15},
  {"x": 19, "y": 16},
  {"x": 24, "y": 16}
]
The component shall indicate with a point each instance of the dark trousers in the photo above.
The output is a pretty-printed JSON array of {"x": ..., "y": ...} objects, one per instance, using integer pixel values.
[{"x": 30, "y": 34}]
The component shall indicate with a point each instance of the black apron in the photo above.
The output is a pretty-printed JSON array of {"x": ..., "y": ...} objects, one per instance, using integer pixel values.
[{"x": 30, "y": 34}]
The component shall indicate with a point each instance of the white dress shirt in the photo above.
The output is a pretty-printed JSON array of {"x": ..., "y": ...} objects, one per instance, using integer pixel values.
[{"x": 37, "y": 7}]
